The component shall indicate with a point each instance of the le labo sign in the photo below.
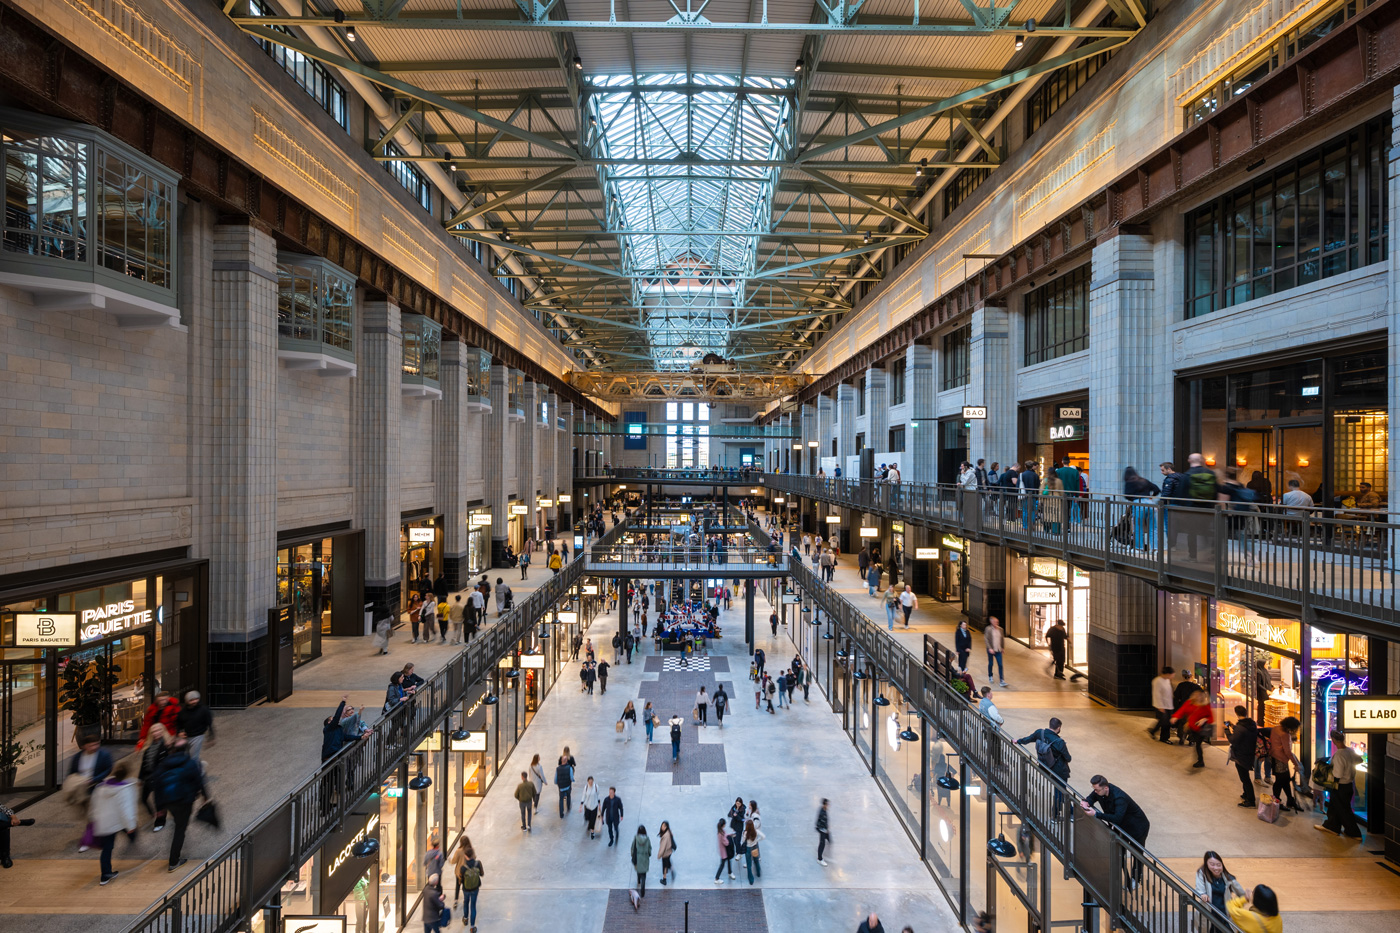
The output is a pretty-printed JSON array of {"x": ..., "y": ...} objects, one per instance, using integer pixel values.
[{"x": 1369, "y": 714}]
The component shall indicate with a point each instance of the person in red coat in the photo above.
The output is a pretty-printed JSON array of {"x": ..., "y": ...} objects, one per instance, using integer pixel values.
[
  {"x": 163, "y": 710},
  {"x": 1200, "y": 722}
]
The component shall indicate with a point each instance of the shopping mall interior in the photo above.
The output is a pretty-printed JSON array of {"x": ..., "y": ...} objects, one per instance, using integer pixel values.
[{"x": 996, "y": 392}]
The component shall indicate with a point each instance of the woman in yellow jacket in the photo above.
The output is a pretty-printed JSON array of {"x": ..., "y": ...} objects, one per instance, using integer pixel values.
[{"x": 1257, "y": 913}]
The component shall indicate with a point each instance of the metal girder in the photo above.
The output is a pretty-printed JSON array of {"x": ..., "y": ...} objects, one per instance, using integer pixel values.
[
  {"x": 905, "y": 218},
  {"x": 316, "y": 53},
  {"x": 1007, "y": 80},
  {"x": 993, "y": 157},
  {"x": 832, "y": 257},
  {"x": 468, "y": 212},
  {"x": 448, "y": 20},
  {"x": 471, "y": 66}
]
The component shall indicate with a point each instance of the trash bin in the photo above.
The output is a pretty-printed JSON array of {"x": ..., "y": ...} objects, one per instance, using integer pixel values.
[{"x": 369, "y": 618}]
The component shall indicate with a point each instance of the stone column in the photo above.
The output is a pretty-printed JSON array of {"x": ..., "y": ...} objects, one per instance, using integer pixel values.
[
  {"x": 826, "y": 425},
  {"x": 527, "y": 443},
  {"x": 549, "y": 450},
  {"x": 1129, "y": 417},
  {"x": 877, "y": 410},
  {"x": 845, "y": 424},
  {"x": 450, "y": 461},
  {"x": 985, "y": 579},
  {"x": 564, "y": 466},
  {"x": 240, "y": 489},
  {"x": 992, "y": 385},
  {"x": 808, "y": 425},
  {"x": 378, "y": 402},
  {"x": 919, "y": 463},
  {"x": 494, "y": 454},
  {"x": 1122, "y": 642}
]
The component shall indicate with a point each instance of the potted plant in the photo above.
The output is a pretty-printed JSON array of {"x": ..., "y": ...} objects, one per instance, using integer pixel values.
[
  {"x": 14, "y": 753},
  {"x": 86, "y": 691}
]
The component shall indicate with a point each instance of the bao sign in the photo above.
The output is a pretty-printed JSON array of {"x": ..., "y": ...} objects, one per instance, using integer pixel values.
[{"x": 1370, "y": 714}]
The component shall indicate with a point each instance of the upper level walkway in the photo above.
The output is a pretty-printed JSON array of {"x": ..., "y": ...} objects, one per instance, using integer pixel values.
[
  {"x": 685, "y": 561},
  {"x": 1315, "y": 565}
]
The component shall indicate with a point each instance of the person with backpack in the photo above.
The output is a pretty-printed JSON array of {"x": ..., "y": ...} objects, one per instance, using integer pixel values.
[
  {"x": 564, "y": 781},
  {"x": 721, "y": 701},
  {"x": 1341, "y": 819},
  {"x": 675, "y": 724},
  {"x": 179, "y": 782},
  {"x": 469, "y": 875},
  {"x": 1053, "y": 755},
  {"x": 1244, "y": 739}
]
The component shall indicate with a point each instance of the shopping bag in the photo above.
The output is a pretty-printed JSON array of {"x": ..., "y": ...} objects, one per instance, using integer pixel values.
[
  {"x": 1268, "y": 808},
  {"x": 620, "y": 726},
  {"x": 208, "y": 814}
]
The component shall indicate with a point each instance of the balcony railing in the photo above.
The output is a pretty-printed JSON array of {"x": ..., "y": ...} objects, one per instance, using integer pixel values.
[{"x": 666, "y": 558}]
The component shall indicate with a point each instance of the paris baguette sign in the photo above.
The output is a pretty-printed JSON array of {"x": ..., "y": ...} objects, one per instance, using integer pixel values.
[{"x": 1370, "y": 714}]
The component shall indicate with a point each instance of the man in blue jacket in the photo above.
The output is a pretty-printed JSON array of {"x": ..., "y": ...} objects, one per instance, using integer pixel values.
[{"x": 179, "y": 782}]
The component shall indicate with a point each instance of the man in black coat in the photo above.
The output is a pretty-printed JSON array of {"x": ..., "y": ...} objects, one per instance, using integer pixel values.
[
  {"x": 1055, "y": 637},
  {"x": 1057, "y": 753},
  {"x": 1244, "y": 738},
  {"x": 179, "y": 782},
  {"x": 612, "y": 815},
  {"x": 1118, "y": 808}
]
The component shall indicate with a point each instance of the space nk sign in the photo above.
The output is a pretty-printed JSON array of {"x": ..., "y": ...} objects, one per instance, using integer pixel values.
[{"x": 1369, "y": 714}]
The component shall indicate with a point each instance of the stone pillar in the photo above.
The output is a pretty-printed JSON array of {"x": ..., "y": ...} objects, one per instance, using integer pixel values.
[
  {"x": 985, "y": 579},
  {"x": 494, "y": 454},
  {"x": 450, "y": 461},
  {"x": 826, "y": 425},
  {"x": 549, "y": 451},
  {"x": 1129, "y": 419},
  {"x": 845, "y": 424},
  {"x": 808, "y": 426},
  {"x": 1122, "y": 643},
  {"x": 993, "y": 386},
  {"x": 527, "y": 471},
  {"x": 564, "y": 466},
  {"x": 919, "y": 462},
  {"x": 240, "y": 489},
  {"x": 877, "y": 410},
  {"x": 378, "y": 401}
]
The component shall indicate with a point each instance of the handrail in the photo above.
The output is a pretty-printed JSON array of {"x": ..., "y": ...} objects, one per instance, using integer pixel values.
[
  {"x": 1161, "y": 900},
  {"x": 233, "y": 883}
]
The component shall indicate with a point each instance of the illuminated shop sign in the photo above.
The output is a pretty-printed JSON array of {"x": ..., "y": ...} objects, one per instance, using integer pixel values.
[
  {"x": 479, "y": 519},
  {"x": 1370, "y": 714},
  {"x": 1283, "y": 634},
  {"x": 1071, "y": 414},
  {"x": 371, "y": 824},
  {"x": 974, "y": 413},
  {"x": 46, "y": 629},
  {"x": 952, "y": 543},
  {"x": 926, "y": 553},
  {"x": 112, "y": 619},
  {"x": 422, "y": 535},
  {"x": 519, "y": 510},
  {"x": 1055, "y": 570},
  {"x": 532, "y": 662},
  {"x": 1044, "y": 595}
]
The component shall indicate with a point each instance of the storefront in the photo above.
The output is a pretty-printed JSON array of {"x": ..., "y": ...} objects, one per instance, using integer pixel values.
[
  {"x": 420, "y": 555},
  {"x": 1049, "y": 431},
  {"x": 1322, "y": 421},
  {"x": 144, "y": 629},
  {"x": 478, "y": 540},
  {"x": 338, "y": 882},
  {"x": 320, "y": 587},
  {"x": 515, "y": 526},
  {"x": 948, "y": 564},
  {"x": 1042, "y": 591}
]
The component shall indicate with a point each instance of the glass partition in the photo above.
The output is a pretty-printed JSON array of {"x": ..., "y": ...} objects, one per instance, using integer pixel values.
[{"x": 315, "y": 306}]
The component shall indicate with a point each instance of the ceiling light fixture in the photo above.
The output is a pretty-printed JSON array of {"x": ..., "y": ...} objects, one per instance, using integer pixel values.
[
  {"x": 923, "y": 164},
  {"x": 350, "y": 34},
  {"x": 1030, "y": 25},
  {"x": 1020, "y": 43},
  {"x": 909, "y": 735},
  {"x": 798, "y": 67},
  {"x": 578, "y": 63},
  {"x": 339, "y": 16},
  {"x": 867, "y": 236},
  {"x": 505, "y": 234}
]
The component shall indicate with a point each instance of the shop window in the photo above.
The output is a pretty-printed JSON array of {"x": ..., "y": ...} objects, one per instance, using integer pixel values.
[
  {"x": 1057, "y": 317},
  {"x": 897, "y": 439},
  {"x": 422, "y": 356},
  {"x": 1320, "y": 215},
  {"x": 315, "y": 313},
  {"x": 957, "y": 358},
  {"x": 479, "y": 376},
  {"x": 87, "y": 208},
  {"x": 898, "y": 371}
]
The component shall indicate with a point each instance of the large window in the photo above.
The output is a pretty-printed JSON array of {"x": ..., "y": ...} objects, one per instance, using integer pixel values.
[
  {"x": 687, "y": 434},
  {"x": 1315, "y": 217},
  {"x": 1057, "y": 317},
  {"x": 860, "y": 396},
  {"x": 414, "y": 181},
  {"x": 422, "y": 349},
  {"x": 1056, "y": 90},
  {"x": 897, "y": 439},
  {"x": 898, "y": 370},
  {"x": 957, "y": 360},
  {"x": 74, "y": 197},
  {"x": 965, "y": 182},
  {"x": 315, "y": 306},
  {"x": 314, "y": 77}
]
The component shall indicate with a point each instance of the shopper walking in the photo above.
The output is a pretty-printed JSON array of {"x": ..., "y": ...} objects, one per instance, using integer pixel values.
[
  {"x": 1280, "y": 739},
  {"x": 962, "y": 643},
  {"x": 112, "y": 810},
  {"x": 602, "y": 673},
  {"x": 641, "y": 858},
  {"x": 1244, "y": 741},
  {"x": 505, "y": 597},
  {"x": 702, "y": 706},
  {"x": 628, "y": 719},
  {"x": 994, "y": 639},
  {"x": 1199, "y": 719},
  {"x": 649, "y": 719},
  {"x": 1116, "y": 807},
  {"x": 1056, "y": 636},
  {"x": 456, "y": 615},
  {"x": 470, "y": 875},
  {"x": 675, "y": 724},
  {"x": 195, "y": 723},
  {"x": 665, "y": 848},
  {"x": 158, "y": 744},
  {"x": 524, "y": 565},
  {"x": 1341, "y": 819},
  {"x": 823, "y": 831},
  {"x": 537, "y": 779},
  {"x": 612, "y": 815},
  {"x": 1053, "y": 755},
  {"x": 908, "y": 602},
  {"x": 721, "y": 704},
  {"x": 1162, "y": 702},
  {"x": 525, "y": 796},
  {"x": 179, "y": 783},
  {"x": 589, "y": 802},
  {"x": 433, "y": 906},
  {"x": 724, "y": 841},
  {"x": 564, "y": 781}
]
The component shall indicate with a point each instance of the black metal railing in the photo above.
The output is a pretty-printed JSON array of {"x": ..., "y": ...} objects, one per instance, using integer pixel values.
[
  {"x": 668, "y": 557},
  {"x": 1099, "y": 856},
  {"x": 239, "y": 878}
]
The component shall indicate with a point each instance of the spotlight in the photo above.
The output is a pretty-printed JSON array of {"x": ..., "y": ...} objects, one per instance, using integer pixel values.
[
  {"x": 948, "y": 782},
  {"x": 365, "y": 848},
  {"x": 828, "y": 636},
  {"x": 909, "y": 735},
  {"x": 1020, "y": 43},
  {"x": 1000, "y": 847},
  {"x": 421, "y": 782},
  {"x": 867, "y": 236},
  {"x": 452, "y": 166},
  {"x": 350, "y": 34},
  {"x": 881, "y": 701},
  {"x": 460, "y": 735},
  {"x": 1030, "y": 25},
  {"x": 860, "y": 675},
  {"x": 578, "y": 63},
  {"x": 339, "y": 16},
  {"x": 505, "y": 234},
  {"x": 798, "y": 67},
  {"x": 923, "y": 164},
  {"x": 491, "y": 699}
]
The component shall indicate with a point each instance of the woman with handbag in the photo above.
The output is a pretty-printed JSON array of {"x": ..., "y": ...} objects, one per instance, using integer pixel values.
[
  {"x": 157, "y": 747},
  {"x": 589, "y": 803},
  {"x": 112, "y": 810},
  {"x": 665, "y": 848},
  {"x": 627, "y": 721},
  {"x": 537, "y": 779},
  {"x": 724, "y": 841},
  {"x": 649, "y": 719},
  {"x": 752, "y": 836}
]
